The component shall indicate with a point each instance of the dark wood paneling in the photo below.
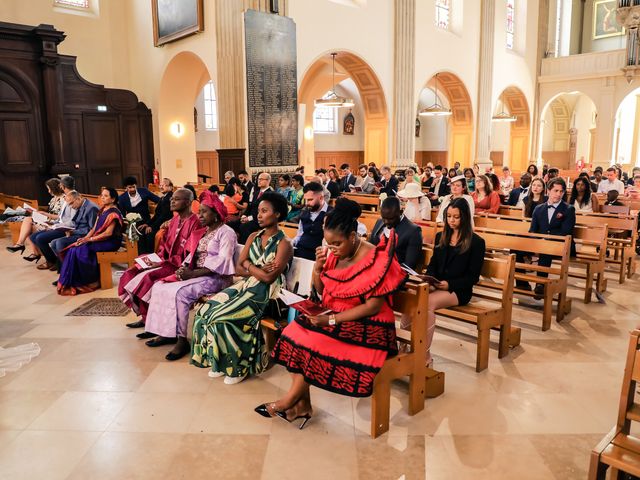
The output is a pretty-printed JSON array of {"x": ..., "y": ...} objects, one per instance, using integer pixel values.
[
  {"x": 50, "y": 123},
  {"x": 230, "y": 159}
]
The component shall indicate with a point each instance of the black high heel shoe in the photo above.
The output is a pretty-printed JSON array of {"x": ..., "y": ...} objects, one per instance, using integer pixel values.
[
  {"x": 264, "y": 411},
  {"x": 305, "y": 418},
  {"x": 33, "y": 258},
  {"x": 16, "y": 248}
]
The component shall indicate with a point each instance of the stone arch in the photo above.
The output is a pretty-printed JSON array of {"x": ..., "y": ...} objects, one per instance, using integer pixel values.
[
  {"x": 316, "y": 81},
  {"x": 520, "y": 131},
  {"x": 460, "y": 123},
  {"x": 183, "y": 78},
  {"x": 568, "y": 144}
]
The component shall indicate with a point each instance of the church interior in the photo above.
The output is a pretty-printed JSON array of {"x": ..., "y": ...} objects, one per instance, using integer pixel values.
[{"x": 186, "y": 106}]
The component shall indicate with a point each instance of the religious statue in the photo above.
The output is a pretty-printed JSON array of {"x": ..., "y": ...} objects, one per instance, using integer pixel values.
[
  {"x": 417, "y": 127},
  {"x": 348, "y": 124}
]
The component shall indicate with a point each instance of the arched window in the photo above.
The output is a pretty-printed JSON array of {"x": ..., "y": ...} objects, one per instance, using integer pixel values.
[
  {"x": 325, "y": 120},
  {"x": 210, "y": 107},
  {"x": 443, "y": 8},
  {"x": 511, "y": 25}
]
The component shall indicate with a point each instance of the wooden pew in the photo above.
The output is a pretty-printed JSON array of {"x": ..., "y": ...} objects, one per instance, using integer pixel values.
[
  {"x": 14, "y": 201},
  {"x": 619, "y": 450},
  {"x": 127, "y": 254},
  {"x": 429, "y": 232},
  {"x": 509, "y": 211},
  {"x": 413, "y": 301},
  {"x": 290, "y": 229},
  {"x": 555, "y": 286},
  {"x": 364, "y": 199},
  {"x": 497, "y": 272},
  {"x": 622, "y": 238},
  {"x": 590, "y": 242}
]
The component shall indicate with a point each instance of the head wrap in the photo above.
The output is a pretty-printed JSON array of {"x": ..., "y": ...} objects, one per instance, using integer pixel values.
[{"x": 212, "y": 201}]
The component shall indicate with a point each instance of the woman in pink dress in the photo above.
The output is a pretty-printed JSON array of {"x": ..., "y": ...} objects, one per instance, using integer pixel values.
[{"x": 208, "y": 268}]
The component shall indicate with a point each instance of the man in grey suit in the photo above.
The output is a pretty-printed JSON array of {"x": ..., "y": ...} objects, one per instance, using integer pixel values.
[
  {"x": 409, "y": 244},
  {"x": 83, "y": 221}
]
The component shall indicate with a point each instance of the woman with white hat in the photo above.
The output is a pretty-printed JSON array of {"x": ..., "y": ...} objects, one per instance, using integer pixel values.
[
  {"x": 417, "y": 206},
  {"x": 458, "y": 185}
]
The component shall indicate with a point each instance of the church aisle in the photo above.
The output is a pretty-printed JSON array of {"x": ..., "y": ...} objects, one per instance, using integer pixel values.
[{"x": 99, "y": 404}]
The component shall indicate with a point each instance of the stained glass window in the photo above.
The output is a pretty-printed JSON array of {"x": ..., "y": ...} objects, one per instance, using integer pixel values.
[
  {"x": 442, "y": 13},
  {"x": 511, "y": 27}
]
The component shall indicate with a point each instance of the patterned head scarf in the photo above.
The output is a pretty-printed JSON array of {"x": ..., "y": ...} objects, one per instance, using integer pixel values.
[{"x": 212, "y": 201}]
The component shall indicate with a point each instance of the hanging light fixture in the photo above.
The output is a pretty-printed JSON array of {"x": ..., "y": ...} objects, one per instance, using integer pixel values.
[
  {"x": 435, "y": 110},
  {"x": 503, "y": 116},
  {"x": 332, "y": 99}
]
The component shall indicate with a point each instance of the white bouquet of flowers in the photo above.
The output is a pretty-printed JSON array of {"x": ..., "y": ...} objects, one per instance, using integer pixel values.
[{"x": 132, "y": 219}]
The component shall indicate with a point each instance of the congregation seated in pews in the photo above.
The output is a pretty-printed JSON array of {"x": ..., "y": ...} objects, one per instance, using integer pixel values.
[{"x": 464, "y": 252}]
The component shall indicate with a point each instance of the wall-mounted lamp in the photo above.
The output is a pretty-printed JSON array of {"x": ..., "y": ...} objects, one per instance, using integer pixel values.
[
  {"x": 308, "y": 133},
  {"x": 176, "y": 129}
]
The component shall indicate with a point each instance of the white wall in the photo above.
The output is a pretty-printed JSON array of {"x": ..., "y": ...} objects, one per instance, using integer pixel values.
[
  {"x": 434, "y": 130},
  {"x": 366, "y": 30},
  {"x": 324, "y": 142},
  {"x": 584, "y": 121}
]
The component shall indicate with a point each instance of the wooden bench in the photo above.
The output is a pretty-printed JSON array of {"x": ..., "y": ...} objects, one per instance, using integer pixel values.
[
  {"x": 619, "y": 450},
  {"x": 127, "y": 254},
  {"x": 509, "y": 211},
  {"x": 621, "y": 240},
  {"x": 364, "y": 199},
  {"x": 590, "y": 242},
  {"x": 497, "y": 273},
  {"x": 555, "y": 285},
  {"x": 413, "y": 301},
  {"x": 14, "y": 201}
]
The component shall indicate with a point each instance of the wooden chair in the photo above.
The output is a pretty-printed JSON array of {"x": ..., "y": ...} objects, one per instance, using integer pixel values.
[
  {"x": 619, "y": 450},
  {"x": 497, "y": 272},
  {"x": 127, "y": 254}
]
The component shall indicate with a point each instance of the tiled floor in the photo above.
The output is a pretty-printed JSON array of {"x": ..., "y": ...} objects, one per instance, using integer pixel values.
[{"x": 97, "y": 403}]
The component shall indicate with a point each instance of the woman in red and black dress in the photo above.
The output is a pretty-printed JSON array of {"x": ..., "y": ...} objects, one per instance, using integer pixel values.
[{"x": 341, "y": 352}]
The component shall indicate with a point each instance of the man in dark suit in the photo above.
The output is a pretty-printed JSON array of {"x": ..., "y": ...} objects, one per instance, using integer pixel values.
[
  {"x": 347, "y": 179},
  {"x": 389, "y": 183},
  {"x": 245, "y": 179},
  {"x": 439, "y": 187},
  {"x": 554, "y": 217},
  {"x": 249, "y": 221},
  {"x": 163, "y": 213},
  {"x": 409, "y": 244},
  {"x": 136, "y": 199},
  {"x": 518, "y": 194}
]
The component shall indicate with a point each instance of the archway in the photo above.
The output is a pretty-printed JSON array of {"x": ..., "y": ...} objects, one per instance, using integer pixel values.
[
  {"x": 510, "y": 140},
  {"x": 453, "y": 139},
  {"x": 568, "y": 131},
  {"x": 356, "y": 78},
  {"x": 626, "y": 134},
  {"x": 183, "y": 80}
]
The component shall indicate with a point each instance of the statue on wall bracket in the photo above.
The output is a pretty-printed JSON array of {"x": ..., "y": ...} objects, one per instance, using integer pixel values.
[
  {"x": 418, "y": 125},
  {"x": 348, "y": 124}
]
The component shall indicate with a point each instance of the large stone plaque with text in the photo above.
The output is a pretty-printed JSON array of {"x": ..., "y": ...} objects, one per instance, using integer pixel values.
[{"x": 272, "y": 94}]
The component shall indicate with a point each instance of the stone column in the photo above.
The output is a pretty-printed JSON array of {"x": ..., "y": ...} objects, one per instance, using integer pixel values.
[
  {"x": 485, "y": 84},
  {"x": 536, "y": 119},
  {"x": 404, "y": 108}
]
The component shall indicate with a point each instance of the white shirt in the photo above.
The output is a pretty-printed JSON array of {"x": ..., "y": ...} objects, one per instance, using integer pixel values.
[
  {"x": 523, "y": 193},
  {"x": 551, "y": 211},
  {"x": 135, "y": 200},
  {"x": 386, "y": 231},
  {"x": 606, "y": 186},
  {"x": 314, "y": 215},
  {"x": 446, "y": 200}
]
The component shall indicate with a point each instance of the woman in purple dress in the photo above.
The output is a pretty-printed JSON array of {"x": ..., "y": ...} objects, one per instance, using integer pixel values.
[
  {"x": 208, "y": 268},
  {"x": 80, "y": 272}
]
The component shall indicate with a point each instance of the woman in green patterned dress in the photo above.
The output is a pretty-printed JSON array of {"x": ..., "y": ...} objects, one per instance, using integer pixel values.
[{"x": 226, "y": 331}]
